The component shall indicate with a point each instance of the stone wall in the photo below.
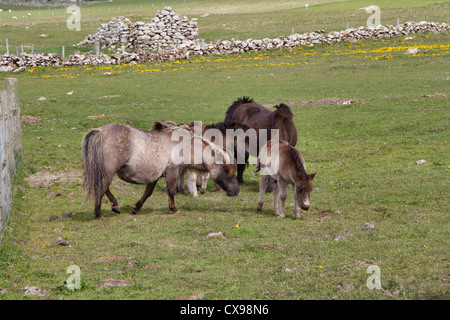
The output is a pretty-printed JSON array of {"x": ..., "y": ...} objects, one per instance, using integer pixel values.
[{"x": 195, "y": 47}]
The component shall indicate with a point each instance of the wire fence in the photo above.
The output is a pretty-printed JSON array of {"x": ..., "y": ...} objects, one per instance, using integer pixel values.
[
  {"x": 17, "y": 48},
  {"x": 11, "y": 148}
]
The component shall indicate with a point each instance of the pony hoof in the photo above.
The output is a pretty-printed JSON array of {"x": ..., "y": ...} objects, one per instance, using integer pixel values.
[
  {"x": 115, "y": 209},
  {"x": 135, "y": 211},
  {"x": 175, "y": 211},
  {"x": 99, "y": 217}
]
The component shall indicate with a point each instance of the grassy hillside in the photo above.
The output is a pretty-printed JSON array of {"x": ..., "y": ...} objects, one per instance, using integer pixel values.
[
  {"x": 364, "y": 154},
  {"x": 226, "y": 20}
]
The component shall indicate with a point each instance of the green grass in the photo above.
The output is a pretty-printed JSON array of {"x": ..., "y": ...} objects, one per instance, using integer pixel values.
[
  {"x": 234, "y": 19},
  {"x": 364, "y": 154}
]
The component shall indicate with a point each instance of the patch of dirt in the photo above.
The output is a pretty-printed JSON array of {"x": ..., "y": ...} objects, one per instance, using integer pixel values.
[
  {"x": 113, "y": 96},
  {"x": 325, "y": 102},
  {"x": 114, "y": 283},
  {"x": 35, "y": 291},
  {"x": 362, "y": 264},
  {"x": 196, "y": 296},
  {"x": 321, "y": 102},
  {"x": 52, "y": 194},
  {"x": 152, "y": 266},
  {"x": 99, "y": 116},
  {"x": 129, "y": 265},
  {"x": 112, "y": 258},
  {"x": 30, "y": 119},
  {"x": 434, "y": 95},
  {"x": 46, "y": 178},
  {"x": 346, "y": 286}
]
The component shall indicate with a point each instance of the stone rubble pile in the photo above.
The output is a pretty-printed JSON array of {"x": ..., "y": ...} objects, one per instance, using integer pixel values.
[
  {"x": 117, "y": 31},
  {"x": 167, "y": 30},
  {"x": 189, "y": 47}
]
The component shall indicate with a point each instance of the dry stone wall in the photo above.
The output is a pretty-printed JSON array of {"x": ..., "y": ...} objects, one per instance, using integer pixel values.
[{"x": 190, "y": 45}]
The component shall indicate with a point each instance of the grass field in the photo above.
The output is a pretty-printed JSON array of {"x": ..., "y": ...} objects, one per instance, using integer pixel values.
[{"x": 364, "y": 154}]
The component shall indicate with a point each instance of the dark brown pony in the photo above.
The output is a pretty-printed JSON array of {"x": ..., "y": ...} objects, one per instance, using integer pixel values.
[{"x": 245, "y": 110}]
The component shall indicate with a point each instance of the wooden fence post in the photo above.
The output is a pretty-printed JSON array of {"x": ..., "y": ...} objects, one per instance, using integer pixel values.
[
  {"x": 4, "y": 178},
  {"x": 11, "y": 117},
  {"x": 11, "y": 148},
  {"x": 12, "y": 93},
  {"x": 96, "y": 48}
]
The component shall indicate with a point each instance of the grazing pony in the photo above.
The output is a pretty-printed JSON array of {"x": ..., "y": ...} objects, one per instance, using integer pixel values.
[
  {"x": 291, "y": 170},
  {"x": 245, "y": 110},
  {"x": 199, "y": 180},
  {"x": 142, "y": 157}
]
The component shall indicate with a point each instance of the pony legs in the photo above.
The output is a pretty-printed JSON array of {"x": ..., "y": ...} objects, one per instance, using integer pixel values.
[
  {"x": 262, "y": 187},
  {"x": 276, "y": 194},
  {"x": 180, "y": 183},
  {"x": 240, "y": 173},
  {"x": 114, "y": 204},
  {"x": 192, "y": 183},
  {"x": 171, "y": 184},
  {"x": 241, "y": 169},
  {"x": 204, "y": 180},
  {"x": 147, "y": 193},
  {"x": 296, "y": 206},
  {"x": 98, "y": 207},
  {"x": 197, "y": 181},
  {"x": 98, "y": 200},
  {"x": 282, "y": 190},
  {"x": 279, "y": 190}
]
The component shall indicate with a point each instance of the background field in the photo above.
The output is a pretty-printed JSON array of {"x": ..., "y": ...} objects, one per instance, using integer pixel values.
[{"x": 365, "y": 155}]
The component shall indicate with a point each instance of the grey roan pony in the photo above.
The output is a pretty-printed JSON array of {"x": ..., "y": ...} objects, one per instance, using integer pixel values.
[{"x": 142, "y": 157}]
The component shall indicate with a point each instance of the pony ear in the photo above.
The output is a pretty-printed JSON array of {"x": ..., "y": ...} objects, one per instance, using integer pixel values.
[{"x": 312, "y": 175}]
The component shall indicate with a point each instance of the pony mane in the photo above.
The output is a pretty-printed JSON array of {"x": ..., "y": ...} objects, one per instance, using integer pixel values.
[
  {"x": 223, "y": 126},
  {"x": 168, "y": 125},
  {"x": 235, "y": 104},
  {"x": 298, "y": 162}
]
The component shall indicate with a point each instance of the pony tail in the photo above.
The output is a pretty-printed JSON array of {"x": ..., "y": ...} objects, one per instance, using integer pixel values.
[
  {"x": 94, "y": 175},
  {"x": 282, "y": 113}
]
